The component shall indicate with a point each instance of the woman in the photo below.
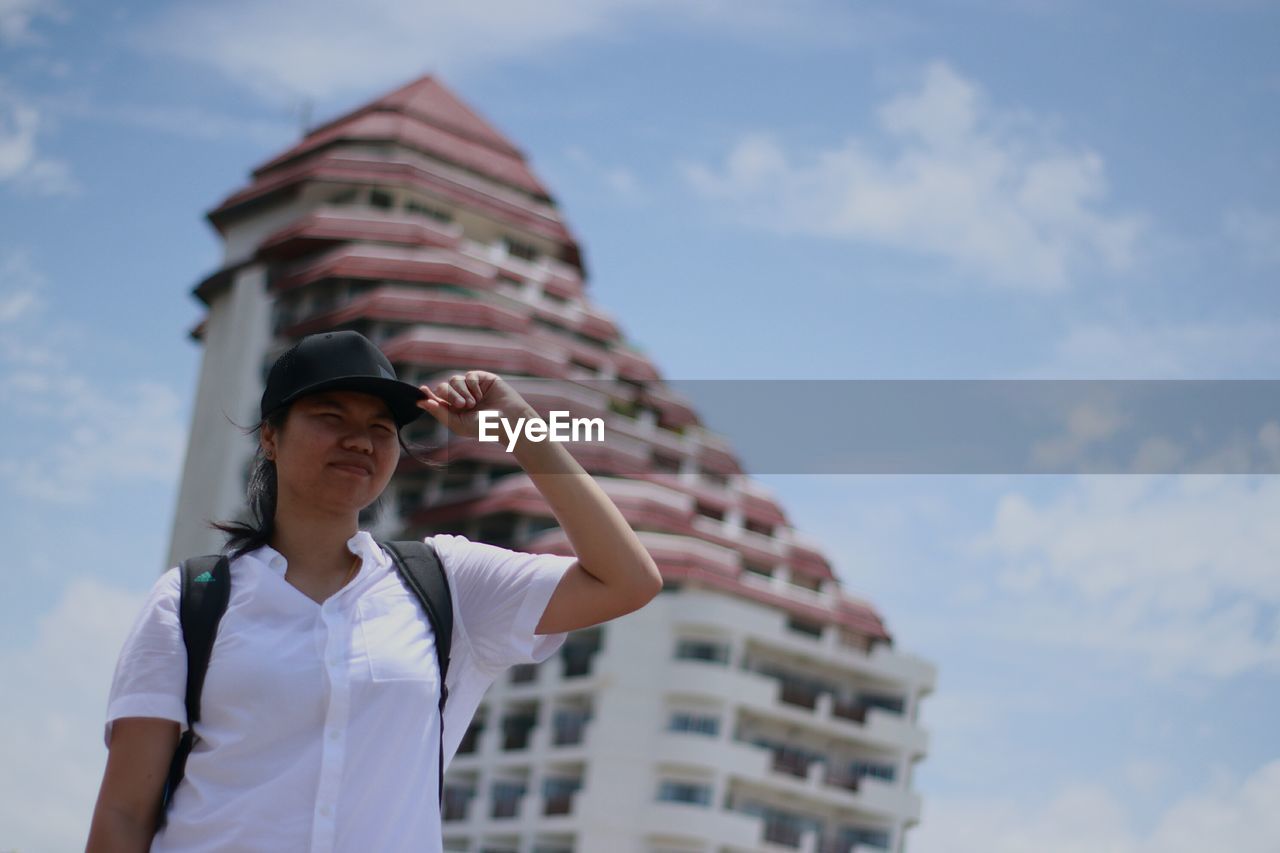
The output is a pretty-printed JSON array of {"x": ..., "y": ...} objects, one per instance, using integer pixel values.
[{"x": 319, "y": 720}]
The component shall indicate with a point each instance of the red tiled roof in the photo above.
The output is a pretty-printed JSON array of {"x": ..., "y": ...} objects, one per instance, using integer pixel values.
[{"x": 426, "y": 116}]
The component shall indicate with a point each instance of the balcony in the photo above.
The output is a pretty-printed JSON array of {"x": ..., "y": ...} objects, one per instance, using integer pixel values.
[
  {"x": 782, "y": 831},
  {"x": 791, "y": 763},
  {"x": 800, "y": 695},
  {"x": 843, "y": 779},
  {"x": 849, "y": 709}
]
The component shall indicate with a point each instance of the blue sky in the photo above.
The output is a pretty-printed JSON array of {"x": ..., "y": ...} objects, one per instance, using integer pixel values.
[{"x": 781, "y": 190}]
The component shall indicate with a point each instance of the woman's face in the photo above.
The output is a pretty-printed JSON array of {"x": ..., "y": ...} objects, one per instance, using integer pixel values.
[{"x": 335, "y": 451}]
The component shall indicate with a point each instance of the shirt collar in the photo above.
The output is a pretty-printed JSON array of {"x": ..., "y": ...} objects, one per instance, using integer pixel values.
[{"x": 361, "y": 544}]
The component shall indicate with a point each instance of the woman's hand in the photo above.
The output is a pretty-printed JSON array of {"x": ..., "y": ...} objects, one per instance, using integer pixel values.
[{"x": 458, "y": 402}]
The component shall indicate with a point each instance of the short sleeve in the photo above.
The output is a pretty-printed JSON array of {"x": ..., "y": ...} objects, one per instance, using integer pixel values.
[
  {"x": 151, "y": 673},
  {"x": 499, "y": 597}
]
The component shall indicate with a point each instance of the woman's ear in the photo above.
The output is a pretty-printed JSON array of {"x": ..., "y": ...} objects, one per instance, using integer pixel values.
[{"x": 267, "y": 441}]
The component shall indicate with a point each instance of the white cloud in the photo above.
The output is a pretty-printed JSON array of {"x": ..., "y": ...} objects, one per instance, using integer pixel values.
[
  {"x": 53, "y": 712},
  {"x": 1179, "y": 574},
  {"x": 21, "y": 284},
  {"x": 105, "y": 437},
  {"x": 1235, "y": 815},
  {"x": 187, "y": 120},
  {"x": 1207, "y": 349},
  {"x": 16, "y": 17},
  {"x": 981, "y": 188},
  {"x": 282, "y": 49},
  {"x": 71, "y": 436},
  {"x": 1087, "y": 423},
  {"x": 21, "y": 163}
]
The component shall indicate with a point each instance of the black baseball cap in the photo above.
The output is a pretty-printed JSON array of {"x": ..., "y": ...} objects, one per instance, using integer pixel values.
[{"x": 339, "y": 361}]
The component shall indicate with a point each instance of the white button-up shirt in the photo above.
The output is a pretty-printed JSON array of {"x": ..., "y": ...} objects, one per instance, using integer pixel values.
[{"x": 319, "y": 728}]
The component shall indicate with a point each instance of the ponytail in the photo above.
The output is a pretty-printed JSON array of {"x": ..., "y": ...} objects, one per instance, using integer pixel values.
[{"x": 262, "y": 491}]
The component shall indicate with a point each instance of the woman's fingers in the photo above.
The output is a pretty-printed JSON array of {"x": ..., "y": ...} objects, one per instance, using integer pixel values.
[
  {"x": 461, "y": 391},
  {"x": 474, "y": 385}
]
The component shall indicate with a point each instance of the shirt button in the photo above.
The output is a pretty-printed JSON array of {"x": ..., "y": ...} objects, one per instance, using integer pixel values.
[
  {"x": 334, "y": 734},
  {"x": 325, "y": 811}
]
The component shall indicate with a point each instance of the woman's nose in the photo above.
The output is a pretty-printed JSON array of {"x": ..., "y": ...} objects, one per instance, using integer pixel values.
[{"x": 359, "y": 439}]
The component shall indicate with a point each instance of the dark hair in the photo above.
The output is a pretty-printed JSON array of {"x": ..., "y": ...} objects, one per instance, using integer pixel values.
[{"x": 262, "y": 489}]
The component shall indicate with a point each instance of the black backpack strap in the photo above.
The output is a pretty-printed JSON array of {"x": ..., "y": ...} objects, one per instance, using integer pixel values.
[
  {"x": 206, "y": 589},
  {"x": 420, "y": 567}
]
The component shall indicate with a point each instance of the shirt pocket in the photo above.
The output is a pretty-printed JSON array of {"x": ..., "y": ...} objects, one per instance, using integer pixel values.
[{"x": 398, "y": 643}]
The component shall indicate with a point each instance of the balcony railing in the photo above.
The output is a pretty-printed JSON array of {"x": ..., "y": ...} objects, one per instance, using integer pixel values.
[
  {"x": 790, "y": 763},
  {"x": 849, "y": 709},
  {"x": 843, "y": 779},
  {"x": 802, "y": 695},
  {"x": 782, "y": 832}
]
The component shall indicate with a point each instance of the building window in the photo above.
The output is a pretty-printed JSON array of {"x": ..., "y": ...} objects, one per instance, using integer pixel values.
[
  {"x": 805, "y": 582},
  {"x": 664, "y": 464},
  {"x": 516, "y": 727},
  {"x": 714, "y": 477},
  {"x": 557, "y": 795},
  {"x": 696, "y": 793},
  {"x": 457, "y": 799},
  {"x": 709, "y": 511},
  {"x": 524, "y": 673},
  {"x": 892, "y": 704},
  {"x": 688, "y": 721},
  {"x": 803, "y": 626},
  {"x": 471, "y": 737},
  {"x": 704, "y": 650},
  {"x": 579, "y": 650},
  {"x": 506, "y": 798},
  {"x": 520, "y": 249},
  {"x": 569, "y": 726},
  {"x": 381, "y": 199},
  {"x": 420, "y": 209},
  {"x": 851, "y": 837}
]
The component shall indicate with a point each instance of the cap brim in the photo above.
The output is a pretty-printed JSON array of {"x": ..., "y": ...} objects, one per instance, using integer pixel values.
[{"x": 401, "y": 397}]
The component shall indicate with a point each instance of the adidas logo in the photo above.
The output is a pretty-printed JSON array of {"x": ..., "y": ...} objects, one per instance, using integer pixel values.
[{"x": 204, "y": 577}]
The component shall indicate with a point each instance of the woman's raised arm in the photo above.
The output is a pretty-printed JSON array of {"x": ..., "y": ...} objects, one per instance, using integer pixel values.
[{"x": 614, "y": 574}]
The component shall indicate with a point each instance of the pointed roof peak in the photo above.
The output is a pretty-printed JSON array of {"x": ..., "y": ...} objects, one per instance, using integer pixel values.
[{"x": 428, "y": 100}]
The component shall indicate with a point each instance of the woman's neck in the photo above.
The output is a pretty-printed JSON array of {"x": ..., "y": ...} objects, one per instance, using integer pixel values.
[{"x": 314, "y": 546}]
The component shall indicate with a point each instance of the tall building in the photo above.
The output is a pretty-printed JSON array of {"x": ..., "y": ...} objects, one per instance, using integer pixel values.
[{"x": 754, "y": 705}]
